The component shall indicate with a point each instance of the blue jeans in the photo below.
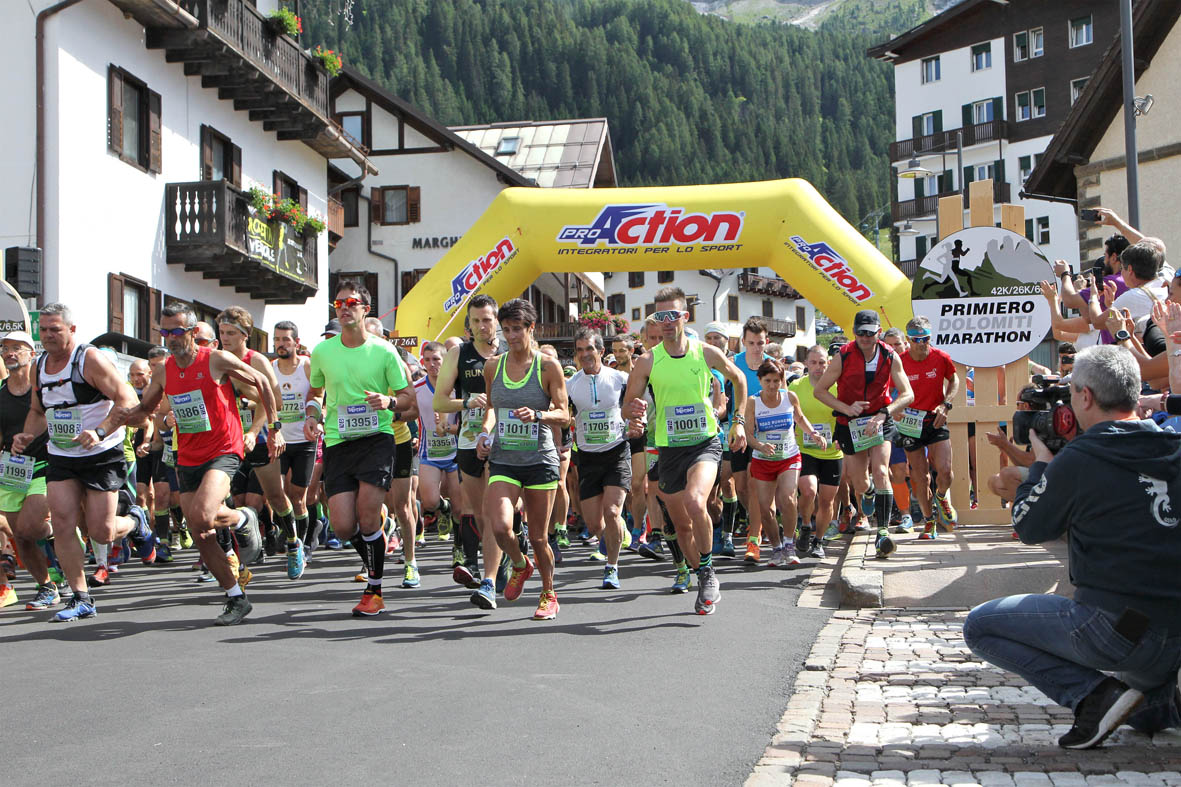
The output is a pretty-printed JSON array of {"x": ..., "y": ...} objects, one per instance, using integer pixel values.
[{"x": 1063, "y": 648}]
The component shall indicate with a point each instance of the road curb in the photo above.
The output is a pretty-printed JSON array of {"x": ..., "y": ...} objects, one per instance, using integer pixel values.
[{"x": 861, "y": 587}]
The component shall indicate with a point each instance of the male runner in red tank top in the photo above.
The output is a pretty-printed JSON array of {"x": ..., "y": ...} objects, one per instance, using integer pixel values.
[{"x": 197, "y": 382}]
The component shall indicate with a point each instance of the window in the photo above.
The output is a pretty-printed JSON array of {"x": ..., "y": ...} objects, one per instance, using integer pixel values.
[
  {"x": 397, "y": 205},
  {"x": 982, "y": 112},
  {"x": 1039, "y": 102},
  {"x": 1081, "y": 32},
  {"x": 1022, "y": 103},
  {"x": 133, "y": 308},
  {"x": 691, "y": 307},
  {"x": 508, "y": 146},
  {"x": 664, "y": 277},
  {"x": 132, "y": 297},
  {"x": 393, "y": 206},
  {"x": 1037, "y": 41},
  {"x": 982, "y": 56},
  {"x": 635, "y": 279},
  {"x": 930, "y": 69},
  {"x": 931, "y": 185},
  {"x": 1043, "y": 230},
  {"x": 356, "y": 125},
  {"x": 133, "y": 121},
  {"x": 220, "y": 158},
  {"x": 983, "y": 171},
  {"x": 732, "y": 308},
  {"x": 616, "y": 304},
  {"x": 801, "y": 318},
  {"x": 649, "y": 308},
  {"x": 1077, "y": 86},
  {"x": 1020, "y": 46},
  {"x": 635, "y": 314},
  {"x": 929, "y": 124},
  {"x": 350, "y": 200},
  {"x": 1025, "y": 165},
  {"x": 768, "y": 308}
]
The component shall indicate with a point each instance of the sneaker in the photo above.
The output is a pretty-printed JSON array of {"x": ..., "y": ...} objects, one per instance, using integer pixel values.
[
  {"x": 485, "y": 595},
  {"x": 47, "y": 596},
  {"x": 867, "y": 503},
  {"x": 832, "y": 533},
  {"x": 371, "y": 605},
  {"x": 816, "y": 550},
  {"x": 776, "y": 559},
  {"x": 653, "y": 550},
  {"x": 163, "y": 554},
  {"x": 102, "y": 576},
  {"x": 462, "y": 575},
  {"x": 930, "y": 532},
  {"x": 610, "y": 578},
  {"x": 752, "y": 553},
  {"x": 861, "y": 525},
  {"x": 1100, "y": 713},
  {"x": 727, "y": 545},
  {"x": 205, "y": 576},
  {"x": 174, "y": 542},
  {"x": 946, "y": 512},
  {"x": 142, "y": 536},
  {"x": 443, "y": 525},
  {"x": 684, "y": 579},
  {"x": 633, "y": 540},
  {"x": 905, "y": 524},
  {"x": 709, "y": 593},
  {"x": 76, "y": 609},
  {"x": 186, "y": 538},
  {"x": 788, "y": 554},
  {"x": 7, "y": 596},
  {"x": 234, "y": 612},
  {"x": 410, "y": 576},
  {"x": 627, "y": 539},
  {"x": 457, "y": 556},
  {"x": 248, "y": 538},
  {"x": 296, "y": 562},
  {"x": 420, "y": 539},
  {"x": 557, "y": 550},
  {"x": 8, "y": 566},
  {"x": 885, "y": 545},
  {"x": 598, "y": 555},
  {"x": 563, "y": 536},
  {"x": 717, "y": 546},
  {"x": 333, "y": 542},
  {"x": 547, "y": 608},
  {"x": 516, "y": 582}
]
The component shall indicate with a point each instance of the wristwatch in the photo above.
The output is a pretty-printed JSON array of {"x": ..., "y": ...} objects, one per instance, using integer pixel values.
[
  {"x": 1122, "y": 335},
  {"x": 277, "y": 426},
  {"x": 102, "y": 433},
  {"x": 947, "y": 406}
]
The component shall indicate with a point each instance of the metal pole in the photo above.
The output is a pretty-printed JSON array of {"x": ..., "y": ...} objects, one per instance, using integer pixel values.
[{"x": 1133, "y": 164}]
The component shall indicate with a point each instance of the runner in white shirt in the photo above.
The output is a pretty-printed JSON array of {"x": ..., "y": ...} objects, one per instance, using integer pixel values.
[
  {"x": 438, "y": 469},
  {"x": 298, "y": 459}
]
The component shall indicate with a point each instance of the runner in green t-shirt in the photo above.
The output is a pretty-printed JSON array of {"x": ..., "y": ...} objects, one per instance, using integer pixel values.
[
  {"x": 353, "y": 369},
  {"x": 820, "y": 474}
]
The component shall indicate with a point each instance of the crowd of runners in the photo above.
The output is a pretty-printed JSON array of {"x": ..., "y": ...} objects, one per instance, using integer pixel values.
[{"x": 664, "y": 445}]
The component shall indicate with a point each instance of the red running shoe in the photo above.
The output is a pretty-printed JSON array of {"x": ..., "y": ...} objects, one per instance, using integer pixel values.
[
  {"x": 370, "y": 606},
  {"x": 516, "y": 581},
  {"x": 101, "y": 576}
]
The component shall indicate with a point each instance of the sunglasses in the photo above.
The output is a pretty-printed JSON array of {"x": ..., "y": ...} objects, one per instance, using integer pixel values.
[
  {"x": 166, "y": 332},
  {"x": 669, "y": 315},
  {"x": 1066, "y": 359},
  {"x": 203, "y": 342},
  {"x": 920, "y": 339},
  {"x": 866, "y": 333},
  {"x": 347, "y": 303}
]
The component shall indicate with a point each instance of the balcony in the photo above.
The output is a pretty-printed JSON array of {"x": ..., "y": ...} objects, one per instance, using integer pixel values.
[
  {"x": 209, "y": 229},
  {"x": 784, "y": 328},
  {"x": 944, "y": 141},
  {"x": 926, "y": 206},
  {"x": 766, "y": 285},
  {"x": 908, "y": 267},
  {"x": 232, "y": 47},
  {"x": 335, "y": 222}
]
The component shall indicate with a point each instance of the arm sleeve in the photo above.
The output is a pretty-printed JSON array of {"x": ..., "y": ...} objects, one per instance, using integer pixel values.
[{"x": 1044, "y": 503}]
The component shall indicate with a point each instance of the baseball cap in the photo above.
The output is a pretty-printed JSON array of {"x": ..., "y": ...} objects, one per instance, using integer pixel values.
[
  {"x": 691, "y": 333},
  {"x": 866, "y": 320},
  {"x": 717, "y": 327},
  {"x": 332, "y": 328},
  {"x": 20, "y": 336},
  {"x": 609, "y": 358}
]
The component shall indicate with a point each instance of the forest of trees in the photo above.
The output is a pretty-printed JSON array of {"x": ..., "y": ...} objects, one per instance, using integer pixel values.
[{"x": 689, "y": 98}]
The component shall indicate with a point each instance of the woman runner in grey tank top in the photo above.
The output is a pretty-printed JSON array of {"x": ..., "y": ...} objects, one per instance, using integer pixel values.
[{"x": 527, "y": 396}]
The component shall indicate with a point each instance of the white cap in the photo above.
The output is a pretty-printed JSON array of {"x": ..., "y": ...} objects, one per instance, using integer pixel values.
[
  {"x": 717, "y": 327},
  {"x": 20, "y": 336}
]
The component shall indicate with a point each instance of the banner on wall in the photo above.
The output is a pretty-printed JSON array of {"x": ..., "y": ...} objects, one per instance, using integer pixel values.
[{"x": 14, "y": 316}]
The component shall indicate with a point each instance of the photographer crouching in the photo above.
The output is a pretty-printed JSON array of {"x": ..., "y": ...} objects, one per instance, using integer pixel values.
[{"x": 1111, "y": 488}]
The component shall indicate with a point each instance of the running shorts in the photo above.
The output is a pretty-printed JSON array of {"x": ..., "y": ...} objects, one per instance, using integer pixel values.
[
  {"x": 534, "y": 476},
  {"x": 675, "y": 462},
  {"x": 12, "y": 500},
  {"x": 740, "y": 461},
  {"x": 827, "y": 471},
  {"x": 770, "y": 470},
  {"x": 845, "y": 440},
  {"x": 105, "y": 472},
  {"x": 189, "y": 478},
  {"x": 599, "y": 469},
  {"x": 299, "y": 459},
  {"x": 368, "y": 460},
  {"x": 930, "y": 435},
  {"x": 403, "y": 459},
  {"x": 469, "y": 463}
]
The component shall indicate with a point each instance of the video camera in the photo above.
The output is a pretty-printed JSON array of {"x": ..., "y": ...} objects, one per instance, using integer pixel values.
[{"x": 1051, "y": 418}]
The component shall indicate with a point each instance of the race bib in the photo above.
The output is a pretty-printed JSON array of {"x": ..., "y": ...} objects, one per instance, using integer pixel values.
[
  {"x": 356, "y": 420},
  {"x": 513, "y": 434},
  {"x": 64, "y": 423},
  {"x": 600, "y": 427},
  {"x": 824, "y": 430},
  {"x": 864, "y": 434},
  {"x": 911, "y": 422},
  {"x": 189, "y": 411},
  {"x": 470, "y": 425},
  {"x": 440, "y": 446},
  {"x": 169, "y": 455},
  {"x": 686, "y": 424},
  {"x": 650, "y": 458},
  {"x": 292, "y": 410},
  {"x": 778, "y": 442},
  {"x": 16, "y": 471},
  {"x": 246, "y": 414}
]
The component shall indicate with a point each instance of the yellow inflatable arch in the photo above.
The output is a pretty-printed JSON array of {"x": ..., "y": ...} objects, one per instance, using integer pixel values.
[{"x": 784, "y": 224}]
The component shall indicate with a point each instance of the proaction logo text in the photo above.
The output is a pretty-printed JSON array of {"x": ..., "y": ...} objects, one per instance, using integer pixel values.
[
  {"x": 645, "y": 225},
  {"x": 476, "y": 271},
  {"x": 833, "y": 266}
]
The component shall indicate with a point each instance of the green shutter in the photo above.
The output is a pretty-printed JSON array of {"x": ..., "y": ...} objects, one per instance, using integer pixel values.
[
  {"x": 938, "y": 121},
  {"x": 1029, "y": 229},
  {"x": 998, "y": 108},
  {"x": 1000, "y": 171},
  {"x": 969, "y": 176},
  {"x": 967, "y": 115},
  {"x": 945, "y": 182},
  {"x": 920, "y": 188},
  {"x": 920, "y": 247},
  {"x": 916, "y": 126}
]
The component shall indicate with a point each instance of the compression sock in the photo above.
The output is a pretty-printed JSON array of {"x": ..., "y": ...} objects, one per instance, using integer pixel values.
[
  {"x": 469, "y": 536},
  {"x": 883, "y": 503},
  {"x": 674, "y": 548},
  {"x": 163, "y": 519},
  {"x": 224, "y": 539},
  {"x": 519, "y": 532},
  {"x": 301, "y": 528},
  {"x": 287, "y": 525},
  {"x": 100, "y": 552},
  {"x": 901, "y": 494},
  {"x": 265, "y": 524},
  {"x": 729, "y": 510},
  {"x": 707, "y": 560},
  {"x": 375, "y": 545},
  {"x": 178, "y": 516}
]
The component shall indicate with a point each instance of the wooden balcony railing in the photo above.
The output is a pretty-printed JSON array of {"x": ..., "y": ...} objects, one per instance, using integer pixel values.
[
  {"x": 945, "y": 141},
  {"x": 766, "y": 285},
  {"x": 335, "y": 221},
  {"x": 908, "y": 267},
  {"x": 926, "y": 206},
  {"x": 775, "y": 327}
]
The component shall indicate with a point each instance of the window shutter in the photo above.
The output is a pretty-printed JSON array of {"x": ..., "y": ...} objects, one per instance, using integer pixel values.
[
  {"x": 275, "y": 182},
  {"x": 375, "y": 205},
  {"x": 1000, "y": 171},
  {"x": 916, "y": 126},
  {"x": 114, "y": 111},
  {"x": 303, "y": 199},
  {"x": 966, "y": 109},
  {"x": 920, "y": 247},
  {"x": 236, "y": 166},
  {"x": 969, "y": 176},
  {"x": 938, "y": 121},
  {"x": 153, "y": 316},
  {"x": 998, "y": 108},
  {"x": 945, "y": 182},
  {"x": 206, "y": 153},
  {"x": 1029, "y": 230},
  {"x": 413, "y": 204},
  {"x": 920, "y": 188},
  {"x": 155, "y": 154},
  {"x": 114, "y": 303}
]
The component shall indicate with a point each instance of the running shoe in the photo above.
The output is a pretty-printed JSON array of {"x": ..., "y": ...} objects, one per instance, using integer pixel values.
[
  {"x": 905, "y": 524},
  {"x": 653, "y": 550},
  {"x": 333, "y": 542},
  {"x": 410, "y": 576},
  {"x": 462, "y": 575},
  {"x": 244, "y": 576},
  {"x": 610, "y": 578},
  {"x": 163, "y": 554},
  {"x": 457, "y": 558},
  {"x": 776, "y": 558},
  {"x": 930, "y": 531},
  {"x": 296, "y": 561},
  {"x": 684, "y": 579},
  {"x": 102, "y": 576},
  {"x": 752, "y": 553},
  {"x": 76, "y": 609},
  {"x": 174, "y": 542},
  {"x": 142, "y": 536},
  {"x": 485, "y": 595},
  {"x": 563, "y": 535},
  {"x": 502, "y": 572},
  {"x": 867, "y": 503},
  {"x": 885, "y": 545},
  {"x": 547, "y": 608},
  {"x": 709, "y": 592},
  {"x": 7, "y": 596},
  {"x": 790, "y": 558},
  {"x": 420, "y": 539},
  {"x": 727, "y": 545},
  {"x": 393, "y": 541},
  {"x": 444, "y": 525},
  {"x": 248, "y": 539},
  {"x": 516, "y": 582},
  {"x": 557, "y": 550},
  {"x": 717, "y": 545},
  {"x": 862, "y": 524},
  {"x": 234, "y": 611},
  {"x": 371, "y": 604},
  {"x": 598, "y": 556},
  {"x": 186, "y": 538},
  {"x": 584, "y": 535},
  {"x": 8, "y": 565},
  {"x": 946, "y": 512},
  {"x": 47, "y": 596},
  {"x": 633, "y": 539},
  {"x": 816, "y": 550},
  {"x": 204, "y": 576},
  {"x": 627, "y": 539},
  {"x": 113, "y": 568},
  {"x": 361, "y": 577},
  {"x": 832, "y": 533}
]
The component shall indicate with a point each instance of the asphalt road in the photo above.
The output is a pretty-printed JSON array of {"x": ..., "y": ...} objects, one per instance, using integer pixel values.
[{"x": 625, "y": 687}]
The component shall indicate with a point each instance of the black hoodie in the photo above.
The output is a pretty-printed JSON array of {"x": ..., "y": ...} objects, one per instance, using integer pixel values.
[{"x": 1113, "y": 487}]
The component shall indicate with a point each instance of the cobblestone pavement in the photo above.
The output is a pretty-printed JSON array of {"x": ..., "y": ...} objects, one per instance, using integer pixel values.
[{"x": 893, "y": 698}]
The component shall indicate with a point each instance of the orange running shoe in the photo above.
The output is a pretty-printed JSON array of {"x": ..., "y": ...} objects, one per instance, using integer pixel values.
[
  {"x": 101, "y": 576},
  {"x": 362, "y": 577},
  {"x": 371, "y": 605},
  {"x": 752, "y": 553},
  {"x": 235, "y": 565},
  {"x": 516, "y": 581},
  {"x": 547, "y": 608}
]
